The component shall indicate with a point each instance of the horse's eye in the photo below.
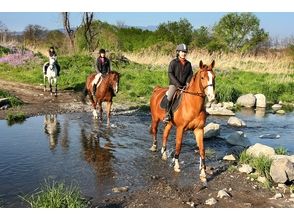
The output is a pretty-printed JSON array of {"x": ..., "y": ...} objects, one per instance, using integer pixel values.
[{"x": 202, "y": 77}]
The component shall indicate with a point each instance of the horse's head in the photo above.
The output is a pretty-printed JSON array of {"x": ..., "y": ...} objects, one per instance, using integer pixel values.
[
  {"x": 204, "y": 80},
  {"x": 114, "y": 81}
]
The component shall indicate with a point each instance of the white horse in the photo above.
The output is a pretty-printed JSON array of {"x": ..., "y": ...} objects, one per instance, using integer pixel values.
[{"x": 51, "y": 74}]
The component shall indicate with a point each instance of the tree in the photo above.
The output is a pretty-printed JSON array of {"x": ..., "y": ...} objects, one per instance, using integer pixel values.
[
  {"x": 89, "y": 32},
  {"x": 55, "y": 38},
  {"x": 201, "y": 37},
  {"x": 3, "y": 32},
  {"x": 69, "y": 32},
  {"x": 34, "y": 34},
  {"x": 175, "y": 32},
  {"x": 239, "y": 32}
]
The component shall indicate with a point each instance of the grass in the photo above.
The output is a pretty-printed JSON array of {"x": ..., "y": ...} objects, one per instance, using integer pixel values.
[
  {"x": 15, "y": 117},
  {"x": 210, "y": 153},
  {"x": 281, "y": 150},
  {"x": 138, "y": 80},
  {"x": 56, "y": 195},
  {"x": 261, "y": 164},
  {"x": 14, "y": 101}
]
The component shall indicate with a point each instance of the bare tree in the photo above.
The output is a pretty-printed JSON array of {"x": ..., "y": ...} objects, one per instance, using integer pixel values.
[
  {"x": 67, "y": 27},
  {"x": 3, "y": 32},
  {"x": 88, "y": 29}
]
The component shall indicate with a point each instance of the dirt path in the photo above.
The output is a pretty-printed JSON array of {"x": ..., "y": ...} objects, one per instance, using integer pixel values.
[{"x": 161, "y": 193}]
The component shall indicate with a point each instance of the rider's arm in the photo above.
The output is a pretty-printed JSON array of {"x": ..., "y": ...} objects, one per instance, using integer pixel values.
[{"x": 171, "y": 74}]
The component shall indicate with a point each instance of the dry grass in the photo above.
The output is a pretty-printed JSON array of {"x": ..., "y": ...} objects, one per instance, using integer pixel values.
[{"x": 267, "y": 63}]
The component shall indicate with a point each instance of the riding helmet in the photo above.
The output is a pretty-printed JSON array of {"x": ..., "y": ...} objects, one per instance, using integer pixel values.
[
  {"x": 182, "y": 47},
  {"x": 101, "y": 51}
]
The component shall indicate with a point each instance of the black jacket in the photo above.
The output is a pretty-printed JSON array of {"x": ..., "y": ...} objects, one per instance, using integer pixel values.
[
  {"x": 103, "y": 68},
  {"x": 178, "y": 74}
]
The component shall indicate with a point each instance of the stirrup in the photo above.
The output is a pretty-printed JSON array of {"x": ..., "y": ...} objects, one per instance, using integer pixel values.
[{"x": 167, "y": 118}]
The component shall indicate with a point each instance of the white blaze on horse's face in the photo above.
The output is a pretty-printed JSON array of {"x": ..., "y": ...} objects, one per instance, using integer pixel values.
[{"x": 210, "y": 88}]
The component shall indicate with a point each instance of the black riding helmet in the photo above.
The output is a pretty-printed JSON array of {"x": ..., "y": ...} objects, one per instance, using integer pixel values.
[
  {"x": 101, "y": 51},
  {"x": 182, "y": 47}
]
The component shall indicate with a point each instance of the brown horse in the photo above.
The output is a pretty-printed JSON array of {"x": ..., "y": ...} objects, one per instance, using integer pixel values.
[
  {"x": 104, "y": 93},
  {"x": 190, "y": 115}
]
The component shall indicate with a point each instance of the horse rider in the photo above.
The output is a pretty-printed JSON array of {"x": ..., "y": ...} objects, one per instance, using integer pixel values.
[
  {"x": 179, "y": 73},
  {"x": 102, "y": 68},
  {"x": 52, "y": 54}
]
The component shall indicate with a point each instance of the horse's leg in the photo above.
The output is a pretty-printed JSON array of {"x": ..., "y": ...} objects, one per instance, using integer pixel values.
[
  {"x": 108, "y": 110},
  {"x": 55, "y": 81},
  {"x": 199, "y": 134},
  {"x": 153, "y": 131},
  {"x": 164, "y": 140},
  {"x": 44, "y": 80},
  {"x": 100, "y": 110},
  {"x": 179, "y": 137},
  {"x": 50, "y": 83}
]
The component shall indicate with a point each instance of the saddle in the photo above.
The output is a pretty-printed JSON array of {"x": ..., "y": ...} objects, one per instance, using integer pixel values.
[{"x": 176, "y": 101}]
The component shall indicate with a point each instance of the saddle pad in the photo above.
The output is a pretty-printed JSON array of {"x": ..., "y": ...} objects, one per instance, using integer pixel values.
[{"x": 175, "y": 102}]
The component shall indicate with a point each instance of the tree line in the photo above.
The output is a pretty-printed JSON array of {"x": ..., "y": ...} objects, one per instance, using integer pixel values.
[{"x": 234, "y": 32}]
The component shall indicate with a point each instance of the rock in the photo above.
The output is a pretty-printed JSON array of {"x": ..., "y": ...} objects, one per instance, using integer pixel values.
[
  {"x": 236, "y": 150},
  {"x": 236, "y": 122},
  {"x": 262, "y": 179},
  {"x": 219, "y": 111},
  {"x": 292, "y": 195},
  {"x": 278, "y": 196},
  {"x": 276, "y": 107},
  {"x": 228, "y": 105},
  {"x": 223, "y": 193},
  {"x": 270, "y": 136},
  {"x": 281, "y": 112},
  {"x": 210, "y": 201},
  {"x": 245, "y": 168},
  {"x": 247, "y": 100},
  {"x": 290, "y": 158},
  {"x": 260, "y": 100},
  {"x": 120, "y": 189},
  {"x": 257, "y": 150},
  {"x": 229, "y": 157},
  {"x": 238, "y": 138},
  {"x": 211, "y": 130},
  {"x": 282, "y": 170}
]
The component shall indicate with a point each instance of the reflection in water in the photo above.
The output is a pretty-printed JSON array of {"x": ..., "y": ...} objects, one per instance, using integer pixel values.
[
  {"x": 260, "y": 112},
  {"x": 247, "y": 111},
  {"x": 64, "y": 137},
  {"x": 97, "y": 150},
  {"x": 52, "y": 129}
]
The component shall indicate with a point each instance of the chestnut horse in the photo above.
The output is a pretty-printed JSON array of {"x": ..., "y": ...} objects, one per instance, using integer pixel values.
[
  {"x": 104, "y": 93},
  {"x": 190, "y": 115}
]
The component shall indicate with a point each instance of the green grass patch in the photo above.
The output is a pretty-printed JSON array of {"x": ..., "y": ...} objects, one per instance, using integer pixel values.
[
  {"x": 15, "y": 117},
  {"x": 138, "y": 81},
  {"x": 56, "y": 195},
  {"x": 261, "y": 164},
  {"x": 14, "y": 101},
  {"x": 281, "y": 150}
]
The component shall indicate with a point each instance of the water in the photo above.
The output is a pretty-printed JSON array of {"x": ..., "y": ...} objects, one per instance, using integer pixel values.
[{"x": 75, "y": 149}]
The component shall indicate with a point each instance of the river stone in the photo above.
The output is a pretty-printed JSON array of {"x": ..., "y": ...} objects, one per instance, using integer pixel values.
[
  {"x": 257, "y": 150},
  {"x": 211, "y": 130},
  {"x": 281, "y": 112},
  {"x": 210, "y": 201},
  {"x": 229, "y": 157},
  {"x": 262, "y": 179},
  {"x": 238, "y": 138},
  {"x": 219, "y": 111},
  {"x": 269, "y": 136},
  {"x": 276, "y": 107},
  {"x": 223, "y": 193},
  {"x": 290, "y": 158},
  {"x": 245, "y": 168},
  {"x": 260, "y": 100},
  {"x": 236, "y": 122},
  {"x": 120, "y": 189},
  {"x": 247, "y": 100},
  {"x": 282, "y": 170},
  {"x": 228, "y": 105}
]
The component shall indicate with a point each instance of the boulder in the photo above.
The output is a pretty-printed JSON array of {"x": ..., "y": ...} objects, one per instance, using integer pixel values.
[
  {"x": 247, "y": 100},
  {"x": 276, "y": 107},
  {"x": 257, "y": 150},
  {"x": 236, "y": 122},
  {"x": 260, "y": 100},
  {"x": 211, "y": 130},
  {"x": 219, "y": 111},
  {"x": 238, "y": 138},
  {"x": 282, "y": 170}
]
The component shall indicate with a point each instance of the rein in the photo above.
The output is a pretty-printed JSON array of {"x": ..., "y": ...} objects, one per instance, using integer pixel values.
[{"x": 201, "y": 94}]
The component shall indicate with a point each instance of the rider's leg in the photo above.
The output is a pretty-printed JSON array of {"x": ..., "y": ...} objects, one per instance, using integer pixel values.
[
  {"x": 95, "y": 82},
  {"x": 170, "y": 93}
]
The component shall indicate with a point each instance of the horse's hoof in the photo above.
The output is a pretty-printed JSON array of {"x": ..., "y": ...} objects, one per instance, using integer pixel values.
[
  {"x": 164, "y": 156},
  {"x": 153, "y": 148},
  {"x": 177, "y": 165},
  {"x": 204, "y": 181},
  {"x": 177, "y": 169}
]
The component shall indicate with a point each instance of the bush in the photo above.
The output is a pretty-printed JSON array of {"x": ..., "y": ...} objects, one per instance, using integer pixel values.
[{"x": 15, "y": 117}]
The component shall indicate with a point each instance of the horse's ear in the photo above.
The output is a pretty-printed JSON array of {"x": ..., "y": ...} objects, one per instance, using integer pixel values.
[
  {"x": 200, "y": 64},
  {"x": 212, "y": 64}
]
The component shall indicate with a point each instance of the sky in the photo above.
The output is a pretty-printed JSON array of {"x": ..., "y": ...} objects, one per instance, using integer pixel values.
[
  {"x": 276, "y": 23},
  {"x": 276, "y": 16}
]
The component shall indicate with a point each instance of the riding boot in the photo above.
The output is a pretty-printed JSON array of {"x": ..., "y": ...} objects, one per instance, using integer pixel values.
[
  {"x": 167, "y": 117},
  {"x": 94, "y": 89}
]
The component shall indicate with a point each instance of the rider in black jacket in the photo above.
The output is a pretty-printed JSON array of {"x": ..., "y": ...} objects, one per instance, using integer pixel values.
[{"x": 179, "y": 72}]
